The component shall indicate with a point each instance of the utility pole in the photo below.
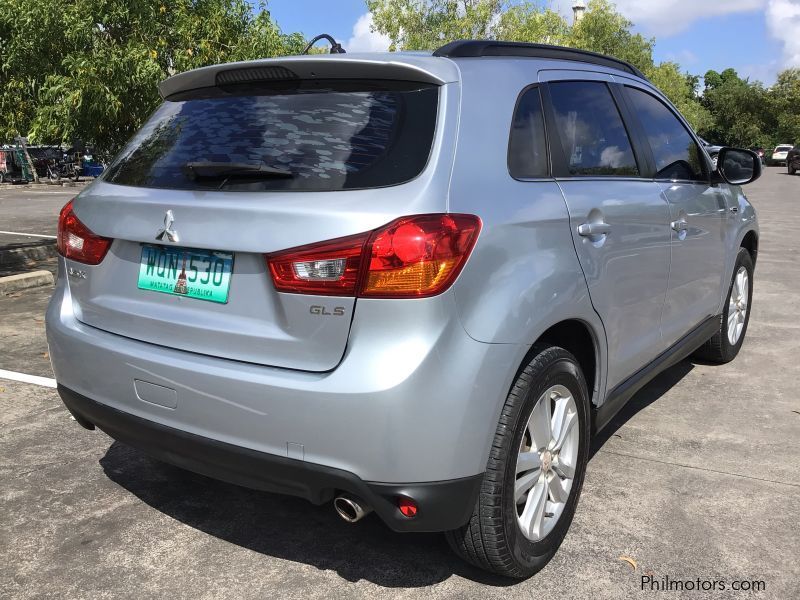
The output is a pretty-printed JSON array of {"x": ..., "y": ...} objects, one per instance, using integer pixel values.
[{"x": 577, "y": 11}]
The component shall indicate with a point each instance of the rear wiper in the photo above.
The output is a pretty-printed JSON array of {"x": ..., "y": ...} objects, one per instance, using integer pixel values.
[{"x": 229, "y": 170}]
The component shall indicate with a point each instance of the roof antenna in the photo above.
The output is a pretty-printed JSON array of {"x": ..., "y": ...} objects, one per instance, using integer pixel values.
[{"x": 336, "y": 47}]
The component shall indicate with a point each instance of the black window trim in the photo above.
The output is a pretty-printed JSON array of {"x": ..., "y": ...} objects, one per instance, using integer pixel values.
[
  {"x": 549, "y": 175},
  {"x": 649, "y": 151},
  {"x": 560, "y": 165}
]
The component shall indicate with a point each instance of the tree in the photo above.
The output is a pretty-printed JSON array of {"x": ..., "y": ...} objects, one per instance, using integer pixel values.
[
  {"x": 89, "y": 70},
  {"x": 785, "y": 104},
  {"x": 741, "y": 110},
  {"x": 427, "y": 24}
]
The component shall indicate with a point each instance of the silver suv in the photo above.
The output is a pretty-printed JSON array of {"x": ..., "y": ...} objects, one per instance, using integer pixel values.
[{"x": 414, "y": 284}]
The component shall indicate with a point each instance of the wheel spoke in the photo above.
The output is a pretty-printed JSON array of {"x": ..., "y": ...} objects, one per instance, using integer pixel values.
[
  {"x": 527, "y": 461},
  {"x": 567, "y": 423},
  {"x": 557, "y": 492},
  {"x": 564, "y": 469},
  {"x": 532, "y": 516},
  {"x": 524, "y": 483},
  {"x": 539, "y": 425},
  {"x": 732, "y": 329}
]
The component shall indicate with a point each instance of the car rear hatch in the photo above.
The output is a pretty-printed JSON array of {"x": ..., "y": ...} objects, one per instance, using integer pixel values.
[{"x": 247, "y": 164}]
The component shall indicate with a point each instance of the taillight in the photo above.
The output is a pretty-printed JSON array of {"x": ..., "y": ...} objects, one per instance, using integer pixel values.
[
  {"x": 411, "y": 257},
  {"x": 77, "y": 242}
]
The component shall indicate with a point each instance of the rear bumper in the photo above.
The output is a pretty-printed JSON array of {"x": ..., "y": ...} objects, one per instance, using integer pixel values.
[
  {"x": 415, "y": 400},
  {"x": 443, "y": 505}
]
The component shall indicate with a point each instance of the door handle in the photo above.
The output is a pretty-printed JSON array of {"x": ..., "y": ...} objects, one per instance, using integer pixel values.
[
  {"x": 587, "y": 229},
  {"x": 679, "y": 225}
]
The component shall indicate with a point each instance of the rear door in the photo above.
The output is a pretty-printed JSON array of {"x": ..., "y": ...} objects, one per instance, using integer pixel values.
[
  {"x": 619, "y": 220},
  {"x": 219, "y": 177},
  {"x": 698, "y": 214}
]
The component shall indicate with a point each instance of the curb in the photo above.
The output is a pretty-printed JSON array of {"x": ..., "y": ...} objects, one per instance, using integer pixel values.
[
  {"x": 20, "y": 254},
  {"x": 24, "y": 281}
]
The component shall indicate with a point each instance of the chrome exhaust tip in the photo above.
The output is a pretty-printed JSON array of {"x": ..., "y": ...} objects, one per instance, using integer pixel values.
[{"x": 350, "y": 508}]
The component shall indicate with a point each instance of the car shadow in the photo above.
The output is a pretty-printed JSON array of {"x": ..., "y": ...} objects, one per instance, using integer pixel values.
[
  {"x": 293, "y": 529},
  {"x": 651, "y": 392},
  {"x": 289, "y": 528}
]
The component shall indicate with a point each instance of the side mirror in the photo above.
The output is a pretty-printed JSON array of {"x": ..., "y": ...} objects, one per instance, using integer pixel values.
[{"x": 738, "y": 166}]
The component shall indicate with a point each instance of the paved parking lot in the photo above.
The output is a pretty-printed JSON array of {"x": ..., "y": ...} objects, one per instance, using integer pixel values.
[{"x": 699, "y": 477}]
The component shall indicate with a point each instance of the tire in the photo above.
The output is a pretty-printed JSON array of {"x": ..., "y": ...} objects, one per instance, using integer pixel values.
[
  {"x": 722, "y": 347},
  {"x": 493, "y": 538}
]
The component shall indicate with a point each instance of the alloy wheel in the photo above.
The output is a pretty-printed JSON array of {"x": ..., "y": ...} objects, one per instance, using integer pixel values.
[
  {"x": 737, "y": 305},
  {"x": 546, "y": 462}
]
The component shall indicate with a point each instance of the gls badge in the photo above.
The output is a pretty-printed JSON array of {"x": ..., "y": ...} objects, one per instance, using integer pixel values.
[{"x": 338, "y": 311}]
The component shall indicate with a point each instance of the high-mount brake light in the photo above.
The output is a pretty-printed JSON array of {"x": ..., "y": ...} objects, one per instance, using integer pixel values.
[
  {"x": 77, "y": 242},
  {"x": 411, "y": 257}
]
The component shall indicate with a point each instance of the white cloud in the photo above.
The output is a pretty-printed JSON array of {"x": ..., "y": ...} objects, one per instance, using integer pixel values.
[
  {"x": 364, "y": 39},
  {"x": 783, "y": 23}
]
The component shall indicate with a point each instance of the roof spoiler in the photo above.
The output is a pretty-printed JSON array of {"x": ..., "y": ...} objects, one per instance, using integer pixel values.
[{"x": 330, "y": 66}]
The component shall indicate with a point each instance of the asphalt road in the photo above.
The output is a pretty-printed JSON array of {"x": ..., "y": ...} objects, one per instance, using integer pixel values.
[
  {"x": 31, "y": 210},
  {"x": 699, "y": 477}
]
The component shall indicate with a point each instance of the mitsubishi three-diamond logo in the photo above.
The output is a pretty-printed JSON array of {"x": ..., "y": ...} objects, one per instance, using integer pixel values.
[{"x": 167, "y": 231}]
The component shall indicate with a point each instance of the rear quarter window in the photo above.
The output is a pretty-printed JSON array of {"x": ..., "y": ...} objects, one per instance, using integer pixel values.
[{"x": 326, "y": 135}]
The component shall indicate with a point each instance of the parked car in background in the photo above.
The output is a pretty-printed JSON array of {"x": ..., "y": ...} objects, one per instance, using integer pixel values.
[
  {"x": 711, "y": 149},
  {"x": 778, "y": 156},
  {"x": 762, "y": 153},
  {"x": 353, "y": 317},
  {"x": 793, "y": 160}
]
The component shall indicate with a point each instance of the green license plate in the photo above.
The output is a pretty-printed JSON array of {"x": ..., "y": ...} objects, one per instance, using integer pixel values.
[{"x": 201, "y": 274}]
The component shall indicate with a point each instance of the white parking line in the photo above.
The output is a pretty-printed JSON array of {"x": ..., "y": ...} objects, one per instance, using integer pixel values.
[
  {"x": 34, "y": 379},
  {"x": 50, "y": 237}
]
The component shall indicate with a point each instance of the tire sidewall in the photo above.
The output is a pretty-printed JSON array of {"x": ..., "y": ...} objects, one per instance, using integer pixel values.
[{"x": 565, "y": 371}]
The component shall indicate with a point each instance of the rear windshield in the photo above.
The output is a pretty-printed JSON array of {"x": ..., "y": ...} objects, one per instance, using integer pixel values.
[
  {"x": 307, "y": 136},
  {"x": 783, "y": 148}
]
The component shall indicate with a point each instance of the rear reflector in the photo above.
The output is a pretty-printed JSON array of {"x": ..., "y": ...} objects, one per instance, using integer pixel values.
[
  {"x": 76, "y": 242},
  {"x": 407, "y": 507},
  {"x": 411, "y": 257}
]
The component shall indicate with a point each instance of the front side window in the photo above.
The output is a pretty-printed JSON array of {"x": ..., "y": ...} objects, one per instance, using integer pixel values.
[
  {"x": 592, "y": 133},
  {"x": 527, "y": 149},
  {"x": 677, "y": 155},
  {"x": 301, "y": 136}
]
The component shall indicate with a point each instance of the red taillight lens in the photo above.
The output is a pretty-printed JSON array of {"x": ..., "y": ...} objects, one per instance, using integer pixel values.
[
  {"x": 329, "y": 268},
  {"x": 418, "y": 256},
  {"x": 411, "y": 257},
  {"x": 77, "y": 242}
]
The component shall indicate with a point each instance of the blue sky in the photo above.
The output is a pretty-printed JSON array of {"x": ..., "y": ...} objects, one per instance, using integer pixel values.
[{"x": 756, "y": 37}]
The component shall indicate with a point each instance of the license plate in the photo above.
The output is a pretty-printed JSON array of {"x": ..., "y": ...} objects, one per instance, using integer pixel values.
[{"x": 201, "y": 274}]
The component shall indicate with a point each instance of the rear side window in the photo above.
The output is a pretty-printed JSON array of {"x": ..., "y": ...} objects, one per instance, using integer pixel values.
[
  {"x": 308, "y": 136},
  {"x": 677, "y": 155},
  {"x": 591, "y": 130},
  {"x": 527, "y": 148}
]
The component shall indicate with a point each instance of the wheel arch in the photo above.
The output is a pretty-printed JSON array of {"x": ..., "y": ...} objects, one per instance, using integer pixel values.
[
  {"x": 750, "y": 243},
  {"x": 577, "y": 337}
]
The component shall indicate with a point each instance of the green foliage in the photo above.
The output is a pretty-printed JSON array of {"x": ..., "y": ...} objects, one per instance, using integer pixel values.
[
  {"x": 421, "y": 25},
  {"x": 680, "y": 88},
  {"x": 89, "y": 70},
  {"x": 742, "y": 115}
]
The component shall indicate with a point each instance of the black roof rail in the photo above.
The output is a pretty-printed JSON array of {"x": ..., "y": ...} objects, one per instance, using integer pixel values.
[{"x": 480, "y": 48}]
